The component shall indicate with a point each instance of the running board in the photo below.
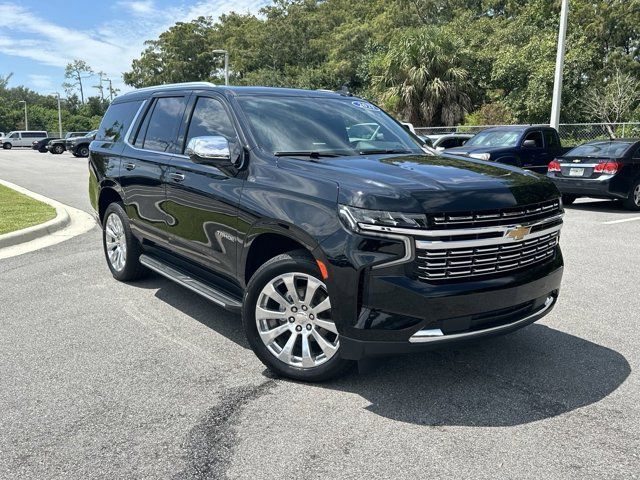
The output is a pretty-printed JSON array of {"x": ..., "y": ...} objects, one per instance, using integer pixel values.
[{"x": 193, "y": 284}]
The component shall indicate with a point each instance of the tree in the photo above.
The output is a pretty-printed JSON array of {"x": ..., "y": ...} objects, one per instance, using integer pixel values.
[
  {"x": 75, "y": 71},
  {"x": 424, "y": 78},
  {"x": 181, "y": 54},
  {"x": 614, "y": 101}
]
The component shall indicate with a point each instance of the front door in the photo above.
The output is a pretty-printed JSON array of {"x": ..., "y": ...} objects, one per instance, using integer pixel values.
[
  {"x": 532, "y": 157},
  {"x": 202, "y": 200},
  {"x": 145, "y": 163}
]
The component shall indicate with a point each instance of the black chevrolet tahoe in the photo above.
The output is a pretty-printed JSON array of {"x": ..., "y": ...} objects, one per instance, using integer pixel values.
[{"x": 333, "y": 248}]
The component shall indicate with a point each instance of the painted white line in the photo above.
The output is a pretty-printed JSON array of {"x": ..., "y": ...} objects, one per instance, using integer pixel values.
[{"x": 632, "y": 219}]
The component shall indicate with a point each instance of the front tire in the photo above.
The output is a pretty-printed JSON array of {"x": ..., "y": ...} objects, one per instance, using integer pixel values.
[
  {"x": 57, "y": 149},
  {"x": 82, "y": 152},
  {"x": 121, "y": 249},
  {"x": 569, "y": 199},
  {"x": 7, "y": 146},
  {"x": 633, "y": 201},
  {"x": 286, "y": 315}
]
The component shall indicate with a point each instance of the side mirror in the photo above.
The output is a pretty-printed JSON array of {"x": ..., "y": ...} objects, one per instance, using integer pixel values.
[
  {"x": 213, "y": 150},
  {"x": 529, "y": 144}
]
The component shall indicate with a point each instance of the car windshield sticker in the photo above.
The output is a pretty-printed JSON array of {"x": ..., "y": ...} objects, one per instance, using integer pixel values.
[{"x": 365, "y": 105}]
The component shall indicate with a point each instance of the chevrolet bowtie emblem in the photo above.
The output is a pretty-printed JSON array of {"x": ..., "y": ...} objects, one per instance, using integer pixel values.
[
  {"x": 517, "y": 233},
  {"x": 577, "y": 160}
]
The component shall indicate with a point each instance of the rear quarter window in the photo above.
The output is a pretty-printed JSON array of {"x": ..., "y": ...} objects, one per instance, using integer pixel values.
[{"x": 117, "y": 120}]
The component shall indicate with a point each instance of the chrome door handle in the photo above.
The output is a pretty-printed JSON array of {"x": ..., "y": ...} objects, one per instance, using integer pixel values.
[
  {"x": 177, "y": 177},
  {"x": 129, "y": 166}
]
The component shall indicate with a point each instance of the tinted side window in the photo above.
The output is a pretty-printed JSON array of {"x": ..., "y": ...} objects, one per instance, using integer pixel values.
[
  {"x": 536, "y": 136},
  {"x": 163, "y": 125},
  {"x": 449, "y": 143},
  {"x": 209, "y": 119},
  {"x": 116, "y": 121},
  {"x": 551, "y": 139}
]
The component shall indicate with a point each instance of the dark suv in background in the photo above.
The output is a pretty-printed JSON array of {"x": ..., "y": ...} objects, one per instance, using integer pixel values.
[{"x": 333, "y": 247}]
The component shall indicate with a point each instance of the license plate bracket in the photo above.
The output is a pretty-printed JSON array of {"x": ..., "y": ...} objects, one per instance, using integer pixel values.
[{"x": 576, "y": 172}]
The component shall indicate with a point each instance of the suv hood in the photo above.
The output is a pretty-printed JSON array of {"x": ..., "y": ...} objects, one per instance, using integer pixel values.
[{"x": 424, "y": 183}]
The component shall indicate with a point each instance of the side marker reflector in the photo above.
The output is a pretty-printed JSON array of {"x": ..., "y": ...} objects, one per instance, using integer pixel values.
[{"x": 323, "y": 269}]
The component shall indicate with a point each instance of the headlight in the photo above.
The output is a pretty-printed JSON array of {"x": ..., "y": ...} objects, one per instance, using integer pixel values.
[
  {"x": 354, "y": 217},
  {"x": 480, "y": 156}
]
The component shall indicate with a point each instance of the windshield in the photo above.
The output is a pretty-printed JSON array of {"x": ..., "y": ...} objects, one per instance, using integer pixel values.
[
  {"x": 600, "y": 149},
  {"x": 324, "y": 125},
  {"x": 496, "y": 138}
]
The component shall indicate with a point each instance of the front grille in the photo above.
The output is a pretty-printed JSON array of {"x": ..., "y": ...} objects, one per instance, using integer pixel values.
[
  {"x": 446, "y": 264},
  {"x": 505, "y": 216}
]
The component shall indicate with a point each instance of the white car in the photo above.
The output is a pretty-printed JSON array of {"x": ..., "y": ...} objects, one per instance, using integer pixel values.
[
  {"x": 23, "y": 138},
  {"x": 449, "y": 140}
]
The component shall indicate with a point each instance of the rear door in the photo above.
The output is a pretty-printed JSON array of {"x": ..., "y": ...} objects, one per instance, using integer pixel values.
[
  {"x": 202, "y": 200},
  {"x": 145, "y": 161}
]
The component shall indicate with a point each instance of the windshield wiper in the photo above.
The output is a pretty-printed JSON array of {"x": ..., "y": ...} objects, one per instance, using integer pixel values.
[
  {"x": 374, "y": 151},
  {"x": 306, "y": 153}
]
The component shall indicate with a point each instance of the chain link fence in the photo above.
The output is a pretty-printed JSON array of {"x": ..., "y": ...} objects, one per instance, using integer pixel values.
[{"x": 571, "y": 134}]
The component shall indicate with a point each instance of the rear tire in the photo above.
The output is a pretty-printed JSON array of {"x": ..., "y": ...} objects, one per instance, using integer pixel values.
[
  {"x": 569, "y": 199},
  {"x": 295, "y": 336},
  {"x": 82, "y": 152},
  {"x": 633, "y": 201},
  {"x": 121, "y": 249}
]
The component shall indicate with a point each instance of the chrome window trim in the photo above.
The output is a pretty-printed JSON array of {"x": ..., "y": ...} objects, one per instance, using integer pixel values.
[
  {"x": 443, "y": 244},
  {"x": 454, "y": 232}
]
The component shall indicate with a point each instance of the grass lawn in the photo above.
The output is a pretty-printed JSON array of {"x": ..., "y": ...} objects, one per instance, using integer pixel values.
[{"x": 18, "y": 211}]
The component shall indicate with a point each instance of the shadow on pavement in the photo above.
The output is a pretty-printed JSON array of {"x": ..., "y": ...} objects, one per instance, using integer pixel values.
[
  {"x": 532, "y": 374},
  {"x": 603, "y": 206},
  {"x": 196, "y": 307}
]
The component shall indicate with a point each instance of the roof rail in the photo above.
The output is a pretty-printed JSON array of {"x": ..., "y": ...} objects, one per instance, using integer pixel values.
[{"x": 173, "y": 85}]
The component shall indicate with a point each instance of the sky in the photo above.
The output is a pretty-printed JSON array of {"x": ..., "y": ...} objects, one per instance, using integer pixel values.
[{"x": 39, "y": 38}]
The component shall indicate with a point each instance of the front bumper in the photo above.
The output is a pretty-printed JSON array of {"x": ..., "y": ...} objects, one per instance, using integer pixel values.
[{"x": 390, "y": 310}]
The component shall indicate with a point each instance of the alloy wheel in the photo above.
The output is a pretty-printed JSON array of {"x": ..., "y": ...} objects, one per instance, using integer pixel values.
[
  {"x": 115, "y": 242},
  {"x": 293, "y": 318},
  {"x": 636, "y": 195}
]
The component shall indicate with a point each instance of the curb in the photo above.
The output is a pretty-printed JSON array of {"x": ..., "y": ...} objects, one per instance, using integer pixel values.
[
  {"x": 61, "y": 220},
  {"x": 67, "y": 219}
]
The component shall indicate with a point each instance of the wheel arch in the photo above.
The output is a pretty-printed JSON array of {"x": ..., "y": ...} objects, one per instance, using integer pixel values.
[
  {"x": 109, "y": 194},
  {"x": 265, "y": 241}
]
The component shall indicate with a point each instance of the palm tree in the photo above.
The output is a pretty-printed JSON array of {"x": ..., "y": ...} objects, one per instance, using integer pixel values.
[{"x": 423, "y": 78}]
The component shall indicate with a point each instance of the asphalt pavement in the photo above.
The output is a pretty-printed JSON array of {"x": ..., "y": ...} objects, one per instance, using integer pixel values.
[{"x": 100, "y": 379}]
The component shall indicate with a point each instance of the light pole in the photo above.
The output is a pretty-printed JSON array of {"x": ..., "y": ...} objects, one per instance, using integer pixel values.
[
  {"x": 57, "y": 94},
  {"x": 26, "y": 122},
  {"x": 557, "y": 82},
  {"x": 226, "y": 64},
  {"x": 110, "y": 88}
]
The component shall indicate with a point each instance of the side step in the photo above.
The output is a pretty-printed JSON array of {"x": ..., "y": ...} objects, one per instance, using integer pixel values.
[{"x": 207, "y": 291}]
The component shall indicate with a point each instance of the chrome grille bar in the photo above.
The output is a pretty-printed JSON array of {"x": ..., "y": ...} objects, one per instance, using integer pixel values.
[{"x": 443, "y": 262}]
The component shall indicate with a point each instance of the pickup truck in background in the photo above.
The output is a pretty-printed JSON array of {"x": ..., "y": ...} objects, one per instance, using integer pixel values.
[{"x": 528, "y": 147}]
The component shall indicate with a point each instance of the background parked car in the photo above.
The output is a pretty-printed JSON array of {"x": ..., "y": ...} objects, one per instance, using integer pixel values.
[
  {"x": 529, "y": 147},
  {"x": 41, "y": 145},
  {"x": 59, "y": 146},
  {"x": 79, "y": 146},
  {"x": 600, "y": 169},
  {"x": 22, "y": 138},
  {"x": 449, "y": 140}
]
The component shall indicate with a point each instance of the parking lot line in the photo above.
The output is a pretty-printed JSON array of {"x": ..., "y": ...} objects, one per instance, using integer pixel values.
[{"x": 632, "y": 219}]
